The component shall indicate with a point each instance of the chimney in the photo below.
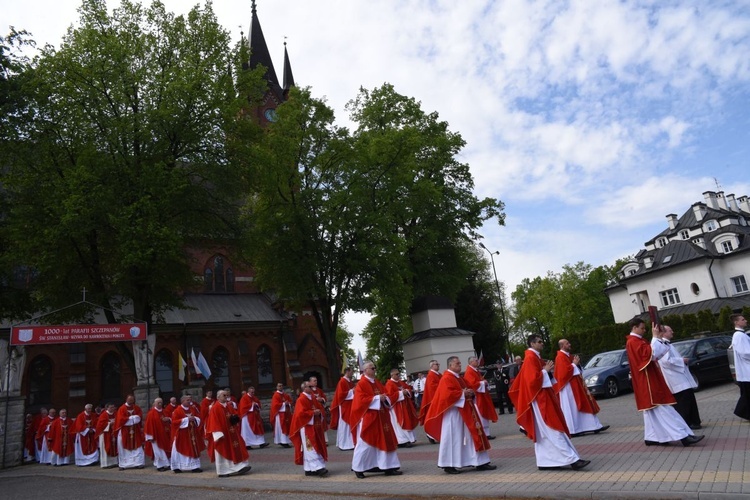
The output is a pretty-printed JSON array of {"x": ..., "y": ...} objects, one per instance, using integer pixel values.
[
  {"x": 672, "y": 220},
  {"x": 699, "y": 210},
  {"x": 648, "y": 261},
  {"x": 710, "y": 198},
  {"x": 722, "y": 201},
  {"x": 732, "y": 203},
  {"x": 744, "y": 203}
]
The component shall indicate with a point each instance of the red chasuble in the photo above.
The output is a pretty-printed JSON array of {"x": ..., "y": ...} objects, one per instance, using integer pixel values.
[
  {"x": 160, "y": 430},
  {"x": 188, "y": 440},
  {"x": 205, "y": 406},
  {"x": 526, "y": 388},
  {"x": 278, "y": 400},
  {"x": 304, "y": 410},
  {"x": 648, "y": 382},
  {"x": 340, "y": 407},
  {"x": 62, "y": 437},
  {"x": 585, "y": 402},
  {"x": 29, "y": 435},
  {"x": 430, "y": 386},
  {"x": 231, "y": 446},
  {"x": 484, "y": 399},
  {"x": 85, "y": 421},
  {"x": 376, "y": 430},
  {"x": 247, "y": 403},
  {"x": 110, "y": 436},
  {"x": 406, "y": 412},
  {"x": 41, "y": 432},
  {"x": 132, "y": 435},
  {"x": 449, "y": 391},
  {"x": 169, "y": 409}
]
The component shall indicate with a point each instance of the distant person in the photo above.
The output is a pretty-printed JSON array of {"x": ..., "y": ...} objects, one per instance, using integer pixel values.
[
  {"x": 322, "y": 398},
  {"x": 661, "y": 422},
  {"x": 741, "y": 348},
  {"x": 502, "y": 386},
  {"x": 187, "y": 438},
  {"x": 105, "y": 432},
  {"x": 157, "y": 430},
  {"x": 678, "y": 377},
  {"x": 86, "y": 446},
  {"x": 538, "y": 411},
  {"x": 129, "y": 429},
  {"x": 576, "y": 403},
  {"x": 227, "y": 447},
  {"x": 61, "y": 439},
  {"x": 419, "y": 389},
  {"x": 281, "y": 416},
  {"x": 403, "y": 412},
  {"x": 252, "y": 428},
  {"x": 482, "y": 398},
  {"x": 306, "y": 433},
  {"x": 430, "y": 386},
  {"x": 341, "y": 409}
]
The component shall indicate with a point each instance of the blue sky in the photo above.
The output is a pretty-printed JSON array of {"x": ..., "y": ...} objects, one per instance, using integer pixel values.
[{"x": 591, "y": 120}]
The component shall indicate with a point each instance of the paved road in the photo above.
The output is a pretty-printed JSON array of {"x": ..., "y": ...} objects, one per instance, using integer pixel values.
[{"x": 622, "y": 467}]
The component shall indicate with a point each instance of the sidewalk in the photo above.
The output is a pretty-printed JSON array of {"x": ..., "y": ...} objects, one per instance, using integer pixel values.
[{"x": 621, "y": 466}]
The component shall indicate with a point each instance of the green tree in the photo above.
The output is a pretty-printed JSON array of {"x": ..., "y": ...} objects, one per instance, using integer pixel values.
[
  {"x": 347, "y": 221},
  {"x": 131, "y": 156}
]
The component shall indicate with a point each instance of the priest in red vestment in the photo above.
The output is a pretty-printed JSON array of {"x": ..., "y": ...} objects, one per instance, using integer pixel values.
[
  {"x": 40, "y": 418},
  {"x": 341, "y": 408},
  {"x": 29, "y": 438},
  {"x": 187, "y": 438},
  {"x": 170, "y": 407},
  {"x": 281, "y": 416},
  {"x": 252, "y": 424},
  {"x": 41, "y": 436},
  {"x": 430, "y": 386},
  {"x": 206, "y": 403},
  {"x": 538, "y": 411},
  {"x": 86, "y": 445},
  {"x": 403, "y": 412},
  {"x": 61, "y": 439},
  {"x": 482, "y": 397},
  {"x": 320, "y": 395},
  {"x": 158, "y": 430},
  {"x": 375, "y": 441},
  {"x": 453, "y": 420},
  {"x": 105, "y": 432},
  {"x": 578, "y": 405},
  {"x": 661, "y": 421},
  {"x": 226, "y": 447},
  {"x": 129, "y": 429},
  {"x": 306, "y": 433}
]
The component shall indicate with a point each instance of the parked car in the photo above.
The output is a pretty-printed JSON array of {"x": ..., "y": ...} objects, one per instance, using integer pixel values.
[
  {"x": 730, "y": 360},
  {"x": 608, "y": 373},
  {"x": 708, "y": 359},
  {"x": 492, "y": 375}
]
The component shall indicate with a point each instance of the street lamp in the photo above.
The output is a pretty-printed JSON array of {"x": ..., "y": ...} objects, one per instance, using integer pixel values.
[{"x": 499, "y": 294}]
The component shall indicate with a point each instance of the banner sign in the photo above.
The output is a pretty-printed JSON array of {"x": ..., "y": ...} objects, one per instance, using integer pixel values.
[{"x": 70, "y": 334}]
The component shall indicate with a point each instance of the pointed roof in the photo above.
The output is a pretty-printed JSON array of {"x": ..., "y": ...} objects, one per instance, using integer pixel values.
[
  {"x": 259, "y": 54},
  {"x": 288, "y": 77}
]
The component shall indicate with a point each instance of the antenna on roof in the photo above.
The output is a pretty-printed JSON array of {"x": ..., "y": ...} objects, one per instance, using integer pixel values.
[{"x": 718, "y": 186}]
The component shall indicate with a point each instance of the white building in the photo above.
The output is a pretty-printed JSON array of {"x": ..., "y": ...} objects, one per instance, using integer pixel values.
[{"x": 700, "y": 261}]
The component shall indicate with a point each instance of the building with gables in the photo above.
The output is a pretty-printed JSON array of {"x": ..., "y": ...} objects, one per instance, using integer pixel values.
[{"x": 700, "y": 261}]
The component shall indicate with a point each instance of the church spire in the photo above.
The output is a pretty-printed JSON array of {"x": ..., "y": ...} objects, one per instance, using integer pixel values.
[
  {"x": 259, "y": 53},
  {"x": 288, "y": 77}
]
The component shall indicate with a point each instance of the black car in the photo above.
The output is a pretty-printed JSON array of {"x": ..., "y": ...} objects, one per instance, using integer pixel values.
[
  {"x": 707, "y": 358},
  {"x": 608, "y": 373}
]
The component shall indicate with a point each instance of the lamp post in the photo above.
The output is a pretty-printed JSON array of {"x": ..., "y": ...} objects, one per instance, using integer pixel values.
[{"x": 499, "y": 295}]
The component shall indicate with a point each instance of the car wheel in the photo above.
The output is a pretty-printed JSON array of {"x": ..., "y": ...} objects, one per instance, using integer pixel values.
[{"x": 612, "y": 388}]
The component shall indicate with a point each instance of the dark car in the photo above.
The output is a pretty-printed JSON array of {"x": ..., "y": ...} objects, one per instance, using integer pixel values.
[
  {"x": 707, "y": 358},
  {"x": 608, "y": 373},
  {"x": 491, "y": 374}
]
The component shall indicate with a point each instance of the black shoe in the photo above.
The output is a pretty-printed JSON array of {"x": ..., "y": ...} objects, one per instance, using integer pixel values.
[
  {"x": 451, "y": 470},
  {"x": 487, "y": 466},
  {"x": 577, "y": 434},
  {"x": 542, "y": 467},
  {"x": 655, "y": 443},
  {"x": 501, "y": 413},
  {"x": 405, "y": 445},
  {"x": 432, "y": 441},
  {"x": 393, "y": 472},
  {"x": 177, "y": 471},
  {"x": 601, "y": 429},
  {"x": 262, "y": 446},
  {"x": 311, "y": 473},
  {"x": 162, "y": 469},
  {"x": 490, "y": 437},
  {"x": 580, "y": 464},
  {"x": 197, "y": 470},
  {"x": 321, "y": 472},
  {"x": 523, "y": 431},
  {"x": 360, "y": 475},
  {"x": 691, "y": 440},
  {"x": 285, "y": 445},
  {"x": 695, "y": 427},
  {"x": 374, "y": 469}
]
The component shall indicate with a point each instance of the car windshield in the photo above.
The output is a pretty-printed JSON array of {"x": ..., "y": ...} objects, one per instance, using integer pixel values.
[
  {"x": 684, "y": 348},
  {"x": 606, "y": 359}
]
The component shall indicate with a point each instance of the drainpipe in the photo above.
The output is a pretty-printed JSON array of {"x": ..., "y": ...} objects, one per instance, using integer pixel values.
[{"x": 713, "y": 282}]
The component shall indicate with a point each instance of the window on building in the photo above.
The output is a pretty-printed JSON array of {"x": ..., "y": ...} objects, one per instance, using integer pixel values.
[
  {"x": 661, "y": 242},
  {"x": 631, "y": 272},
  {"x": 220, "y": 367},
  {"x": 163, "y": 371},
  {"x": 40, "y": 381},
  {"x": 726, "y": 246},
  {"x": 710, "y": 225},
  {"x": 77, "y": 353},
  {"x": 685, "y": 234},
  {"x": 740, "y": 284},
  {"x": 667, "y": 259},
  {"x": 217, "y": 276},
  {"x": 265, "y": 369},
  {"x": 110, "y": 376},
  {"x": 669, "y": 297}
]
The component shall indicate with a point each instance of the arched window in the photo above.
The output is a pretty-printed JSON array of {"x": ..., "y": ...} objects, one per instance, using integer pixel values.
[
  {"x": 220, "y": 367},
  {"x": 218, "y": 276},
  {"x": 164, "y": 371},
  {"x": 208, "y": 279},
  {"x": 40, "y": 381},
  {"x": 110, "y": 376},
  {"x": 265, "y": 370}
]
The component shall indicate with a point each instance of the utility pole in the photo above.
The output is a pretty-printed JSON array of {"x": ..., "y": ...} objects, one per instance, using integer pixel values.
[{"x": 499, "y": 296}]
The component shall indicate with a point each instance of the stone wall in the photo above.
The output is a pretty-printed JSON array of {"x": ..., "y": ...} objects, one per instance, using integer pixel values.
[{"x": 11, "y": 430}]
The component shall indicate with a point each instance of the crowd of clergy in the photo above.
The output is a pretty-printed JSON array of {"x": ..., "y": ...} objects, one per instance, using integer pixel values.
[{"x": 373, "y": 419}]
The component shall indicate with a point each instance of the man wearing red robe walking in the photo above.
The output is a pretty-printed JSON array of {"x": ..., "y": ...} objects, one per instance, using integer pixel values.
[
  {"x": 129, "y": 429},
  {"x": 86, "y": 446},
  {"x": 341, "y": 408},
  {"x": 453, "y": 420},
  {"x": 226, "y": 447},
  {"x": 403, "y": 412},
  {"x": 158, "y": 430},
  {"x": 61, "y": 439},
  {"x": 281, "y": 416},
  {"x": 187, "y": 438},
  {"x": 538, "y": 411},
  {"x": 375, "y": 441},
  {"x": 482, "y": 397},
  {"x": 252, "y": 424},
  {"x": 430, "y": 386},
  {"x": 41, "y": 436},
  {"x": 105, "y": 432},
  {"x": 576, "y": 403},
  {"x": 306, "y": 433},
  {"x": 661, "y": 421}
]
